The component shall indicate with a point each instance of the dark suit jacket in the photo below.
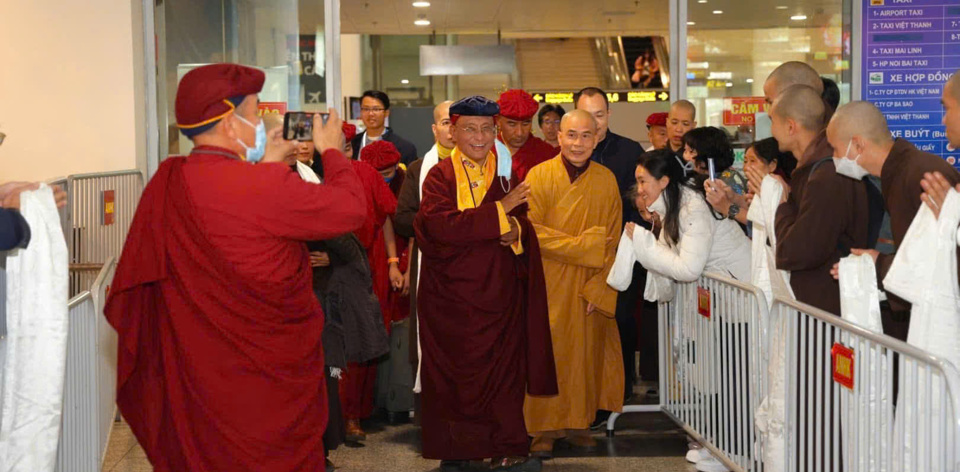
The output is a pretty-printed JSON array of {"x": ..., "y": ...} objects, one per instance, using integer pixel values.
[{"x": 408, "y": 152}]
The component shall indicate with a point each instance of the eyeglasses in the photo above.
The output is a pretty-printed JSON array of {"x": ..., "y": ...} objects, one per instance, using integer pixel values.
[
  {"x": 486, "y": 130},
  {"x": 372, "y": 110},
  {"x": 551, "y": 122}
]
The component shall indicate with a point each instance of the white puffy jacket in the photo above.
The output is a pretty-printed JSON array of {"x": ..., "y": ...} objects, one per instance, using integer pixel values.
[{"x": 706, "y": 244}]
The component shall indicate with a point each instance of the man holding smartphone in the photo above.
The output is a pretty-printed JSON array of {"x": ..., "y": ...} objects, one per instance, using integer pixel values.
[{"x": 219, "y": 360}]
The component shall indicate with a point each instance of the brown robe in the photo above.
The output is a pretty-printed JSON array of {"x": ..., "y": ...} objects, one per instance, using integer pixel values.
[
  {"x": 900, "y": 181},
  {"x": 824, "y": 217}
]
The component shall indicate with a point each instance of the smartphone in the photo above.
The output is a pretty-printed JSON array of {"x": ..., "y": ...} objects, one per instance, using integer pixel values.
[
  {"x": 713, "y": 170},
  {"x": 298, "y": 125}
]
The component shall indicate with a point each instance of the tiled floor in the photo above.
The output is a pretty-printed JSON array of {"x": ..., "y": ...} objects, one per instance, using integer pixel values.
[{"x": 644, "y": 442}]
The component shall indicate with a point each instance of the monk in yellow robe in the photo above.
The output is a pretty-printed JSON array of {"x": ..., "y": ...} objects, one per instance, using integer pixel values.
[{"x": 575, "y": 210}]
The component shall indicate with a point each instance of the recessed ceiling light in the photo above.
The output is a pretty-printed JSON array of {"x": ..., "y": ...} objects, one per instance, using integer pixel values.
[
  {"x": 749, "y": 81},
  {"x": 422, "y": 22},
  {"x": 729, "y": 84},
  {"x": 421, "y": 4},
  {"x": 404, "y": 81},
  {"x": 691, "y": 23},
  {"x": 718, "y": 12},
  {"x": 798, "y": 17},
  {"x": 782, "y": 7},
  {"x": 701, "y": 1}
]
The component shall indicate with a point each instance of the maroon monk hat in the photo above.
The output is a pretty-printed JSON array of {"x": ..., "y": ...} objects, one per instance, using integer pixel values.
[
  {"x": 349, "y": 131},
  {"x": 380, "y": 154},
  {"x": 517, "y": 105},
  {"x": 208, "y": 93},
  {"x": 657, "y": 119}
]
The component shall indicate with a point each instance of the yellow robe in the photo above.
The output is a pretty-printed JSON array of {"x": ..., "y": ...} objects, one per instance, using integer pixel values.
[{"x": 578, "y": 226}]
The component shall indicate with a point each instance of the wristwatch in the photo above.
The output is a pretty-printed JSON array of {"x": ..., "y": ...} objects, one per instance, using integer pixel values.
[{"x": 733, "y": 211}]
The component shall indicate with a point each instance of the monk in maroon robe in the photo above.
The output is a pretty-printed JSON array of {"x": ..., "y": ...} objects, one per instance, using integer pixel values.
[
  {"x": 484, "y": 328},
  {"x": 220, "y": 366},
  {"x": 517, "y": 108}
]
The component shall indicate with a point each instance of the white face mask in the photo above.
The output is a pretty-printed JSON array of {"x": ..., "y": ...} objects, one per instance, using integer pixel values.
[
  {"x": 659, "y": 206},
  {"x": 848, "y": 167}
]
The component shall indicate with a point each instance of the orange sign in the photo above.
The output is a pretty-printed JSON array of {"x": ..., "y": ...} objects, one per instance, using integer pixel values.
[
  {"x": 842, "y": 365},
  {"x": 742, "y": 110},
  {"x": 278, "y": 108},
  {"x": 109, "y": 198},
  {"x": 703, "y": 302}
]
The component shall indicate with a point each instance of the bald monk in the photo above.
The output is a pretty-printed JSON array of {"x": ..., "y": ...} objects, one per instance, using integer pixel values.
[
  {"x": 823, "y": 215},
  {"x": 935, "y": 185},
  {"x": 789, "y": 74},
  {"x": 575, "y": 210},
  {"x": 220, "y": 365},
  {"x": 681, "y": 118},
  {"x": 517, "y": 108},
  {"x": 861, "y": 129},
  {"x": 484, "y": 328}
]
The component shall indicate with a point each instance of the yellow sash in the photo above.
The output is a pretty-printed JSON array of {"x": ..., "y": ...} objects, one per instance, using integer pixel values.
[{"x": 468, "y": 196}]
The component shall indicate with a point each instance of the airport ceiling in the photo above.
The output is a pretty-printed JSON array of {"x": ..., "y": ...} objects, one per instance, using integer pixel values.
[{"x": 571, "y": 18}]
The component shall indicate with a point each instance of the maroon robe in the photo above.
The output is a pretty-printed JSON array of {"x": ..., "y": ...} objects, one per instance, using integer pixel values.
[
  {"x": 533, "y": 152},
  {"x": 357, "y": 381},
  {"x": 484, "y": 328},
  {"x": 220, "y": 365}
]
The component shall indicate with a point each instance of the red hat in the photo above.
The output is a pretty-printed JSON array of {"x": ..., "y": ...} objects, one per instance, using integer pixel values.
[
  {"x": 349, "y": 131},
  {"x": 208, "y": 93},
  {"x": 380, "y": 154},
  {"x": 657, "y": 119},
  {"x": 517, "y": 104}
]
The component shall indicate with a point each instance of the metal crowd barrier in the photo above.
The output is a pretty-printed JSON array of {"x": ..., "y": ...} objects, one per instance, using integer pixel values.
[
  {"x": 91, "y": 375},
  {"x": 861, "y": 401},
  {"x": 100, "y": 208}
]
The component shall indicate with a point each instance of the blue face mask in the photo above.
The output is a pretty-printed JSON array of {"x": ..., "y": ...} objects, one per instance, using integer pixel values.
[{"x": 255, "y": 153}]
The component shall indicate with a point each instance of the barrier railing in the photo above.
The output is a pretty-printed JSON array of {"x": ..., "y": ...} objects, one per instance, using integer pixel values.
[
  {"x": 96, "y": 219},
  {"x": 859, "y": 400},
  {"x": 90, "y": 383}
]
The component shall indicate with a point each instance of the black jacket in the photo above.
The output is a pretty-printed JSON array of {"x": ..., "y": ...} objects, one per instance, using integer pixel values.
[
  {"x": 620, "y": 155},
  {"x": 14, "y": 231},
  {"x": 408, "y": 152}
]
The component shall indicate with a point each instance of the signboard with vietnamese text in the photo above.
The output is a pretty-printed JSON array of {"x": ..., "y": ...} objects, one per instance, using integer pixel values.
[
  {"x": 910, "y": 49},
  {"x": 742, "y": 110},
  {"x": 278, "y": 108},
  {"x": 633, "y": 96}
]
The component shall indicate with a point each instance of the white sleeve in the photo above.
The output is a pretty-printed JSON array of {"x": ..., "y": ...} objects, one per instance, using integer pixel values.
[{"x": 686, "y": 261}]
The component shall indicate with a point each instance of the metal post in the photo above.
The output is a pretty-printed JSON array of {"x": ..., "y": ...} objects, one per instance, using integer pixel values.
[{"x": 331, "y": 33}]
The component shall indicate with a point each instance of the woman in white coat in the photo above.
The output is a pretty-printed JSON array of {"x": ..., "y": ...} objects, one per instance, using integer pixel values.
[{"x": 692, "y": 240}]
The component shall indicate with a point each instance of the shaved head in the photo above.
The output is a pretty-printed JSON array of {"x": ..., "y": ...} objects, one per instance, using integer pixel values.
[
  {"x": 860, "y": 119},
  {"x": 442, "y": 111},
  {"x": 803, "y": 105},
  {"x": 577, "y": 119},
  {"x": 790, "y": 74},
  {"x": 953, "y": 87},
  {"x": 685, "y": 106}
]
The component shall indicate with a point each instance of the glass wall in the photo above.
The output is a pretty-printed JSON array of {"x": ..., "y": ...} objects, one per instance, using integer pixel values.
[
  {"x": 285, "y": 38},
  {"x": 733, "y": 46}
]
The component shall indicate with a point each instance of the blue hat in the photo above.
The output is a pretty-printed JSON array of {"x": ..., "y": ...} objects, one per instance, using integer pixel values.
[{"x": 474, "y": 106}]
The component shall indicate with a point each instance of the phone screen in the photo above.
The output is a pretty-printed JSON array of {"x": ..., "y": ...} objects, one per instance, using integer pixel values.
[
  {"x": 298, "y": 125},
  {"x": 713, "y": 170}
]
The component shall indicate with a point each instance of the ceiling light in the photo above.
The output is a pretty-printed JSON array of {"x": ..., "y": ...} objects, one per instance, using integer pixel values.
[
  {"x": 782, "y": 7},
  {"x": 404, "y": 81},
  {"x": 749, "y": 81},
  {"x": 421, "y": 4},
  {"x": 701, "y": 1},
  {"x": 691, "y": 23},
  {"x": 798, "y": 17},
  {"x": 729, "y": 84},
  {"x": 422, "y": 22},
  {"x": 718, "y": 12}
]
